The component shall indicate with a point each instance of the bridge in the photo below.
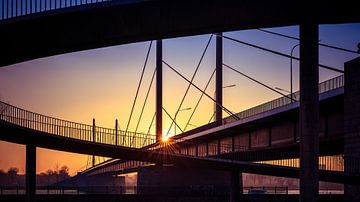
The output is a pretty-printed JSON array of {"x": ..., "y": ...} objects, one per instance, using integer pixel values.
[{"x": 212, "y": 146}]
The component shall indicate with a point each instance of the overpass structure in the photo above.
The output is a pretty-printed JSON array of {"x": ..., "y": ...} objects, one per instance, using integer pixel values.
[
  {"x": 265, "y": 132},
  {"x": 53, "y": 29}
]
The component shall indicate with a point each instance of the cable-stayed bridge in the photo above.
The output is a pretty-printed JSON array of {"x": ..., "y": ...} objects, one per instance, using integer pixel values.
[{"x": 295, "y": 124}]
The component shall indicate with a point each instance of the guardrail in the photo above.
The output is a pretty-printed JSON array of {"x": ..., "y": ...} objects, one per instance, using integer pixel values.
[
  {"x": 55, "y": 126},
  {"x": 16, "y": 8},
  {"x": 325, "y": 86},
  {"x": 143, "y": 190}
]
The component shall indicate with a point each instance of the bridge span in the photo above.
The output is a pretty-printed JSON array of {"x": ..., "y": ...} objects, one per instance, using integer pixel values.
[
  {"x": 24, "y": 127},
  {"x": 63, "y": 29}
]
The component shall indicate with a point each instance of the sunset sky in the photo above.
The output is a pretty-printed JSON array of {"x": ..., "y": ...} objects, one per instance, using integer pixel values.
[{"x": 101, "y": 83}]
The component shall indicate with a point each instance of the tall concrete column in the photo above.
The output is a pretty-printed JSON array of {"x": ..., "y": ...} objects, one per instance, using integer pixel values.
[
  {"x": 236, "y": 186},
  {"x": 218, "y": 78},
  {"x": 158, "y": 90},
  {"x": 352, "y": 126},
  {"x": 30, "y": 177},
  {"x": 309, "y": 112}
]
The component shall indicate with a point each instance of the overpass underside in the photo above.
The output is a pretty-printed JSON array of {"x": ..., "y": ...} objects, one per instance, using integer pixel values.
[{"x": 107, "y": 24}]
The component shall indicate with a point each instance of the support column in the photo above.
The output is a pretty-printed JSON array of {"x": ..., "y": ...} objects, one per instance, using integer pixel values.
[
  {"x": 30, "y": 177},
  {"x": 309, "y": 112},
  {"x": 218, "y": 79},
  {"x": 158, "y": 90},
  {"x": 352, "y": 126},
  {"x": 235, "y": 186}
]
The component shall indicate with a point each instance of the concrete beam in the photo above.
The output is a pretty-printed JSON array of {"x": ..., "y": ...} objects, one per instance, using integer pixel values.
[{"x": 80, "y": 28}]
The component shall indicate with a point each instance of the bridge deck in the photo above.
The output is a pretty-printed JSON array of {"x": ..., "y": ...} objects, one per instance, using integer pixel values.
[{"x": 93, "y": 26}]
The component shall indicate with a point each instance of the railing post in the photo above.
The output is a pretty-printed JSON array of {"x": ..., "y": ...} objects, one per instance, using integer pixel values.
[
  {"x": 116, "y": 132},
  {"x": 94, "y": 140}
]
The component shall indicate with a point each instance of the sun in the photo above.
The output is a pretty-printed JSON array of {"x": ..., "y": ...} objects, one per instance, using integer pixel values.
[{"x": 166, "y": 136}]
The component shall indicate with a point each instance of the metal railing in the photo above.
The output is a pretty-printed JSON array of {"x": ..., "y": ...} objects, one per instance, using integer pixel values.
[
  {"x": 55, "y": 126},
  {"x": 325, "y": 86},
  {"x": 329, "y": 163},
  {"x": 16, "y": 8},
  {"x": 143, "y": 190}
]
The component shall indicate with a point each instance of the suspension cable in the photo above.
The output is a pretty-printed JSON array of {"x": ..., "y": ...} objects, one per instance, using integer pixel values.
[
  {"x": 148, "y": 132},
  {"x": 298, "y": 39},
  {"x": 223, "y": 107},
  {"x": 212, "y": 116},
  {"x": 138, "y": 88},
  {"x": 152, "y": 121},
  {"x": 146, "y": 97},
  {"x": 143, "y": 107},
  {"x": 278, "y": 53},
  {"x": 172, "y": 120},
  {"x": 198, "y": 102},
  {"x": 266, "y": 86},
  {"x": 192, "y": 79}
]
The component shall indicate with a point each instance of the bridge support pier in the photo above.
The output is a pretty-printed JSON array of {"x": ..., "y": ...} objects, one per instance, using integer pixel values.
[
  {"x": 219, "y": 79},
  {"x": 309, "y": 112},
  {"x": 352, "y": 126},
  {"x": 236, "y": 186},
  {"x": 158, "y": 122},
  {"x": 30, "y": 177}
]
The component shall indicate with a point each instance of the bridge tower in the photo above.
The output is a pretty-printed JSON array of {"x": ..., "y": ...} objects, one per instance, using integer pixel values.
[
  {"x": 219, "y": 79},
  {"x": 159, "y": 96}
]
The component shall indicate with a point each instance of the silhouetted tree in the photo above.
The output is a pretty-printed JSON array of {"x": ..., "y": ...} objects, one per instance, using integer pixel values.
[
  {"x": 2, "y": 172},
  {"x": 12, "y": 173},
  {"x": 64, "y": 172}
]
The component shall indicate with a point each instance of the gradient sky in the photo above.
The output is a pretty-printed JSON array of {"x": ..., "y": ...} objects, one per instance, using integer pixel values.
[{"x": 101, "y": 83}]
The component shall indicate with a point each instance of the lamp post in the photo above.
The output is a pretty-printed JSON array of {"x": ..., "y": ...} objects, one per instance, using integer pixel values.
[
  {"x": 291, "y": 74},
  {"x": 291, "y": 67},
  {"x": 192, "y": 125},
  {"x": 185, "y": 109},
  {"x": 228, "y": 86}
]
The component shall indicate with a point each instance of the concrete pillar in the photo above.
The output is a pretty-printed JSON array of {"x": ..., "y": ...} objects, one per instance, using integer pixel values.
[
  {"x": 309, "y": 112},
  {"x": 30, "y": 177},
  {"x": 236, "y": 186},
  {"x": 218, "y": 79},
  {"x": 352, "y": 126},
  {"x": 158, "y": 109}
]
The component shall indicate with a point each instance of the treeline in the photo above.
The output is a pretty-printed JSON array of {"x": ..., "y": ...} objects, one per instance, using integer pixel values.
[{"x": 49, "y": 177}]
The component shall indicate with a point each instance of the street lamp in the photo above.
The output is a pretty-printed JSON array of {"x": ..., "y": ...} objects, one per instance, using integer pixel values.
[
  {"x": 291, "y": 67},
  {"x": 192, "y": 125},
  {"x": 228, "y": 86},
  {"x": 185, "y": 109},
  {"x": 291, "y": 74}
]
